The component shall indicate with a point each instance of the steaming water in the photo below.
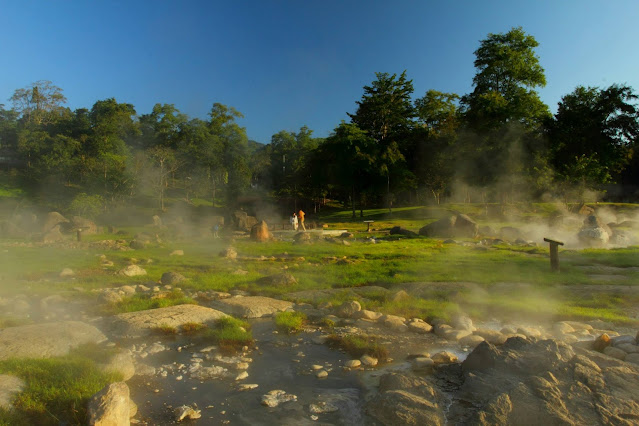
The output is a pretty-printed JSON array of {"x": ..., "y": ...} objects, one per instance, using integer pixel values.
[{"x": 274, "y": 368}]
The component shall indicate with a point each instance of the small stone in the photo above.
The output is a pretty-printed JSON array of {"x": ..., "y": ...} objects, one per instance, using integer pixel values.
[
  {"x": 615, "y": 353},
  {"x": 322, "y": 407},
  {"x": 186, "y": 412},
  {"x": 322, "y": 374},
  {"x": 601, "y": 342},
  {"x": 369, "y": 360},
  {"x": 67, "y": 272},
  {"x": 471, "y": 341},
  {"x": 316, "y": 367},
  {"x": 276, "y": 397},
  {"x": 247, "y": 387},
  {"x": 444, "y": 357},
  {"x": 353, "y": 363},
  {"x": 243, "y": 375},
  {"x": 422, "y": 363},
  {"x": 177, "y": 253}
]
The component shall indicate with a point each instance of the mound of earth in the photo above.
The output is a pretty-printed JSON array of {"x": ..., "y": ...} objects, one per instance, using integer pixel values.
[
  {"x": 46, "y": 340},
  {"x": 137, "y": 324}
]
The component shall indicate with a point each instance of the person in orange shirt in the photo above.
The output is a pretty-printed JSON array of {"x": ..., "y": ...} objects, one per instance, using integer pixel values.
[{"x": 301, "y": 215}]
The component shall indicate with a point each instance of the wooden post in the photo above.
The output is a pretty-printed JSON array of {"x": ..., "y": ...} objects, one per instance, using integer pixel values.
[
  {"x": 554, "y": 254},
  {"x": 79, "y": 234}
]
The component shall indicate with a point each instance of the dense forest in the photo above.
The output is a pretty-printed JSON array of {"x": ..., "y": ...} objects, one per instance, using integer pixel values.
[{"x": 499, "y": 143}]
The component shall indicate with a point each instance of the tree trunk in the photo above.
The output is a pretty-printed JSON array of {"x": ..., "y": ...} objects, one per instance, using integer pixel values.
[
  {"x": 390, "y": 202},
  {"x": 353, "y": 200}
]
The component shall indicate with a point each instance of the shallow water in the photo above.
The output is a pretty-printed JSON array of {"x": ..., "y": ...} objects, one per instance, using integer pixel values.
[{"x": 273, "y": 367}]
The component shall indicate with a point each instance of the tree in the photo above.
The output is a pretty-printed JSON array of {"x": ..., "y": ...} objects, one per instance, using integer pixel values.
[
  {"x": 435, "y": 138},
  {"x": 594, "y": 133},
  {"x": 508, "y": 72},
  {"x": 386, "y": 113},
  {"x": 38, "y": 103}
]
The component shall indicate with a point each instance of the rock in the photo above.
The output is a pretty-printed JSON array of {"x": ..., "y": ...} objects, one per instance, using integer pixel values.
[
  {"x": 51, "y": 236},
  {"x": 368, "y": 361},
  {"x": 109, "y": 297},
  {"x": 353, "y": 363},
  {"x": 462, "y": 322},
  {"x": 367, "y": 315},
  {"x": 419, "y": 326},
  {"x": 87, "y": 226},
  {"x": 624, "y": 338},
  {"x": 471, "y": 340},
  {"x": 110, "y": 406},
  {"x": 406, "y": 400},
  {"x": 456, "y": 335},
  {"x": 171, "y": 278},
  {"x": 398, "y": 230},
  {"x": 399, "y": 296},
  {"x": 562, "y": 327},
  {"x": 246, "y": 387},
  {"x": 241, "y": 376},
  {"x": 347, "y": 235},
  {"x": 302, "y": 238},
  {"x": 142, "y": 323},
  {"x": 132, "y": 271},
  {"x": 177, "y": 253},
  {"x": 186, "y": 412},
  {"x": 511, "y": 233},
  {"x": 394, "y": 322},
  {"x": 628, "y": 348},
  {"x": 422, "y": 364},
  {"x": 321, "y": 374},
  {"x": 594, "y": 232},
  {"x": 260, "y": 232},
  {"x": 444, "y": 357},
  {"x": 138, "y": 244},
  {"x": 322, "y": 407},
  {"x": 229, "y": 253},
  {"x": 122, "y": 363},
  {"x": 465, "y": 227},
  {"x": 276, "y": 397},
  {"x": 46, "y": 340},
  {"x": 633, "y": 357},
  {"x": 252, "y": 306},
  {"x": 10, "y": 386},
  {"x": 127, "y": 290},
  {"x": 441, "y": 228},
  {"x": 491, "y": 336},
  {"x": 66, "y": 273},
  {"x": 601, "y": 342},
  {"x": 156, "y": 220},
  {"x": 348, "y": 309},
  {"x": 52, "y": 220},
  {"x": 615, "y": 352},
  {"x": 279, "y": 280}
]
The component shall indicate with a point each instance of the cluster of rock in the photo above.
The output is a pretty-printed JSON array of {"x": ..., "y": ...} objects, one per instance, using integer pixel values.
[
  {"x": 48, "y": 229},
  {"x": 457, "y": 225}
]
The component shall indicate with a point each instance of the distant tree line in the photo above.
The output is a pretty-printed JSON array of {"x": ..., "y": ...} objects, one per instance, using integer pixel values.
[{"x": 500, "y": 142}]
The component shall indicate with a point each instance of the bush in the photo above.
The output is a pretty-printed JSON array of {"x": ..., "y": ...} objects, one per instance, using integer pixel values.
[
  {"x": 290, "y": 322},
  {"x": 89, "y": 206},
  {"x": 231, "y": 334},
  {"x": 358, "y": 345}
]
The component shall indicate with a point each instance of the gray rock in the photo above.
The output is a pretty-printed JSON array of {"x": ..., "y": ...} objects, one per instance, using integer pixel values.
[
  {"x": 186, "y": 412},
  {"x": 142, "y": 323},
  {"x": 444, "y": 357},
  {"x": 419, "y": 326},
  {"x": 615, "y": 352},
  {"x": 122, "y": 363},
  {"x": 279, "y": 280},
  {"x": 132, "y": 271},
  {"x": 276, "y": 397},
  {"x": 171, "y": 278},
  {"x": 46, "y": 340},
  {"x": 229, "y": 253},
  {"x": 252, "y": 306},
  {"x": 110, "y": 406},
  {"x": 348, "y": 309}
]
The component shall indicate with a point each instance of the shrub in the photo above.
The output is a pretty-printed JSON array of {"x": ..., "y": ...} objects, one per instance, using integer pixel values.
[
  {"x": 231, "y": 334},
  {"x": 192, "y": 327},
  {"x": 87, "y": 205},
  {"x": 290, "y": 322},
  {"x": 358, "y": 345}
]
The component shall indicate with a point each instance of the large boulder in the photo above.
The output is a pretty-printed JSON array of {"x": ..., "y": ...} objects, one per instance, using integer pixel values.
[
  {"x": 398, "y": 230},
  {"x": 88, "y": 226},
  {"x": 260, "y": 232},
  {"x": 53, "y": 235},
  {"x": 142, "y": 323},
  {"x": 110, "y": 406},
  {"x": 542, "y": 382},
  {"x": 46, "y": 340},
  {"x": 594, "y": 232},
  {"x": 242, "y": 221},
  {"x": 459, "y": 225},
  {"x": 51, "y": 220},
  {"x": 443, "y": 227}
]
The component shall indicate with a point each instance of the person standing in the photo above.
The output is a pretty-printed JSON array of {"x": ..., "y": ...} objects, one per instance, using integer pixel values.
[
  {"x": 301, "y": 215},
  {"x": 294, "y": 221}
]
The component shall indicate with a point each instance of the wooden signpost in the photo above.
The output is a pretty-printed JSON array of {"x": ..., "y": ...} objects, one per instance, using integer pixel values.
[{"x": 554, "y": 254}]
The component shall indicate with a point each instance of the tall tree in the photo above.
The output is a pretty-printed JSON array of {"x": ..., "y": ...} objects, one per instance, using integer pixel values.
[
  {"x": 508, "y": 73},
  {"x": 38, "y": 103},
  {"x": 386, "y": 113},
  {"x": 594, "y": 134}
]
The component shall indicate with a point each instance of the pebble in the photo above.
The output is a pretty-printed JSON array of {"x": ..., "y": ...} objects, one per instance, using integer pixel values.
[
  {"x": 353, "y": 363},
  {"x": 322, "y": 374},
  {"x": 369, "y": 360},
  {"x": 247, "y": 387},
  {"x": 276, "y": 397},
  {"x": 243, "y": 375},
  {"x": 316, "y": 367}
]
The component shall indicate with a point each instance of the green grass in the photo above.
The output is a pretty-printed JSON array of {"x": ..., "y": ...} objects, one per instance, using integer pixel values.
[
  {"x": 290, "y": 322},
  {"x": 57, "y": 389},
  {"x": 231, "y": 334},
  {"x": 166, "y": 330},
  {"x": 358, "y": 345}
]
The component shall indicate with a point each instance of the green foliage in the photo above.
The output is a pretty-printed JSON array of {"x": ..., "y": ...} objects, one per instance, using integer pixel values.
[
  {"x": 358, "y": 345},
  {"x": 165, "y": 329},
  {"x": 85, "y": 205},
  {"x": 290, "y": 322},
  {"x": 230, "y": 333},
  {"x": 57, "y": 389}
]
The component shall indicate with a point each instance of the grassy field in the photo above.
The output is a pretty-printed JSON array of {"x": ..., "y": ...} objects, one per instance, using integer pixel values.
[{"x": 390, "y": 263}]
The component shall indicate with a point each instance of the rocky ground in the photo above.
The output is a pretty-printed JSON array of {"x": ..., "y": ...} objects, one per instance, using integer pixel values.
[{"x": 460, "y": 372}]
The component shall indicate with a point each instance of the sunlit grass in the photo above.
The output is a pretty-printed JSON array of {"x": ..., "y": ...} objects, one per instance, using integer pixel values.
[{"x": 290, "y": 322}]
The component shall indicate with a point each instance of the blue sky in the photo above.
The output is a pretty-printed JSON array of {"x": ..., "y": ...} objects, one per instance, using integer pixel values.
[{"x": 285, "y": 64}]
